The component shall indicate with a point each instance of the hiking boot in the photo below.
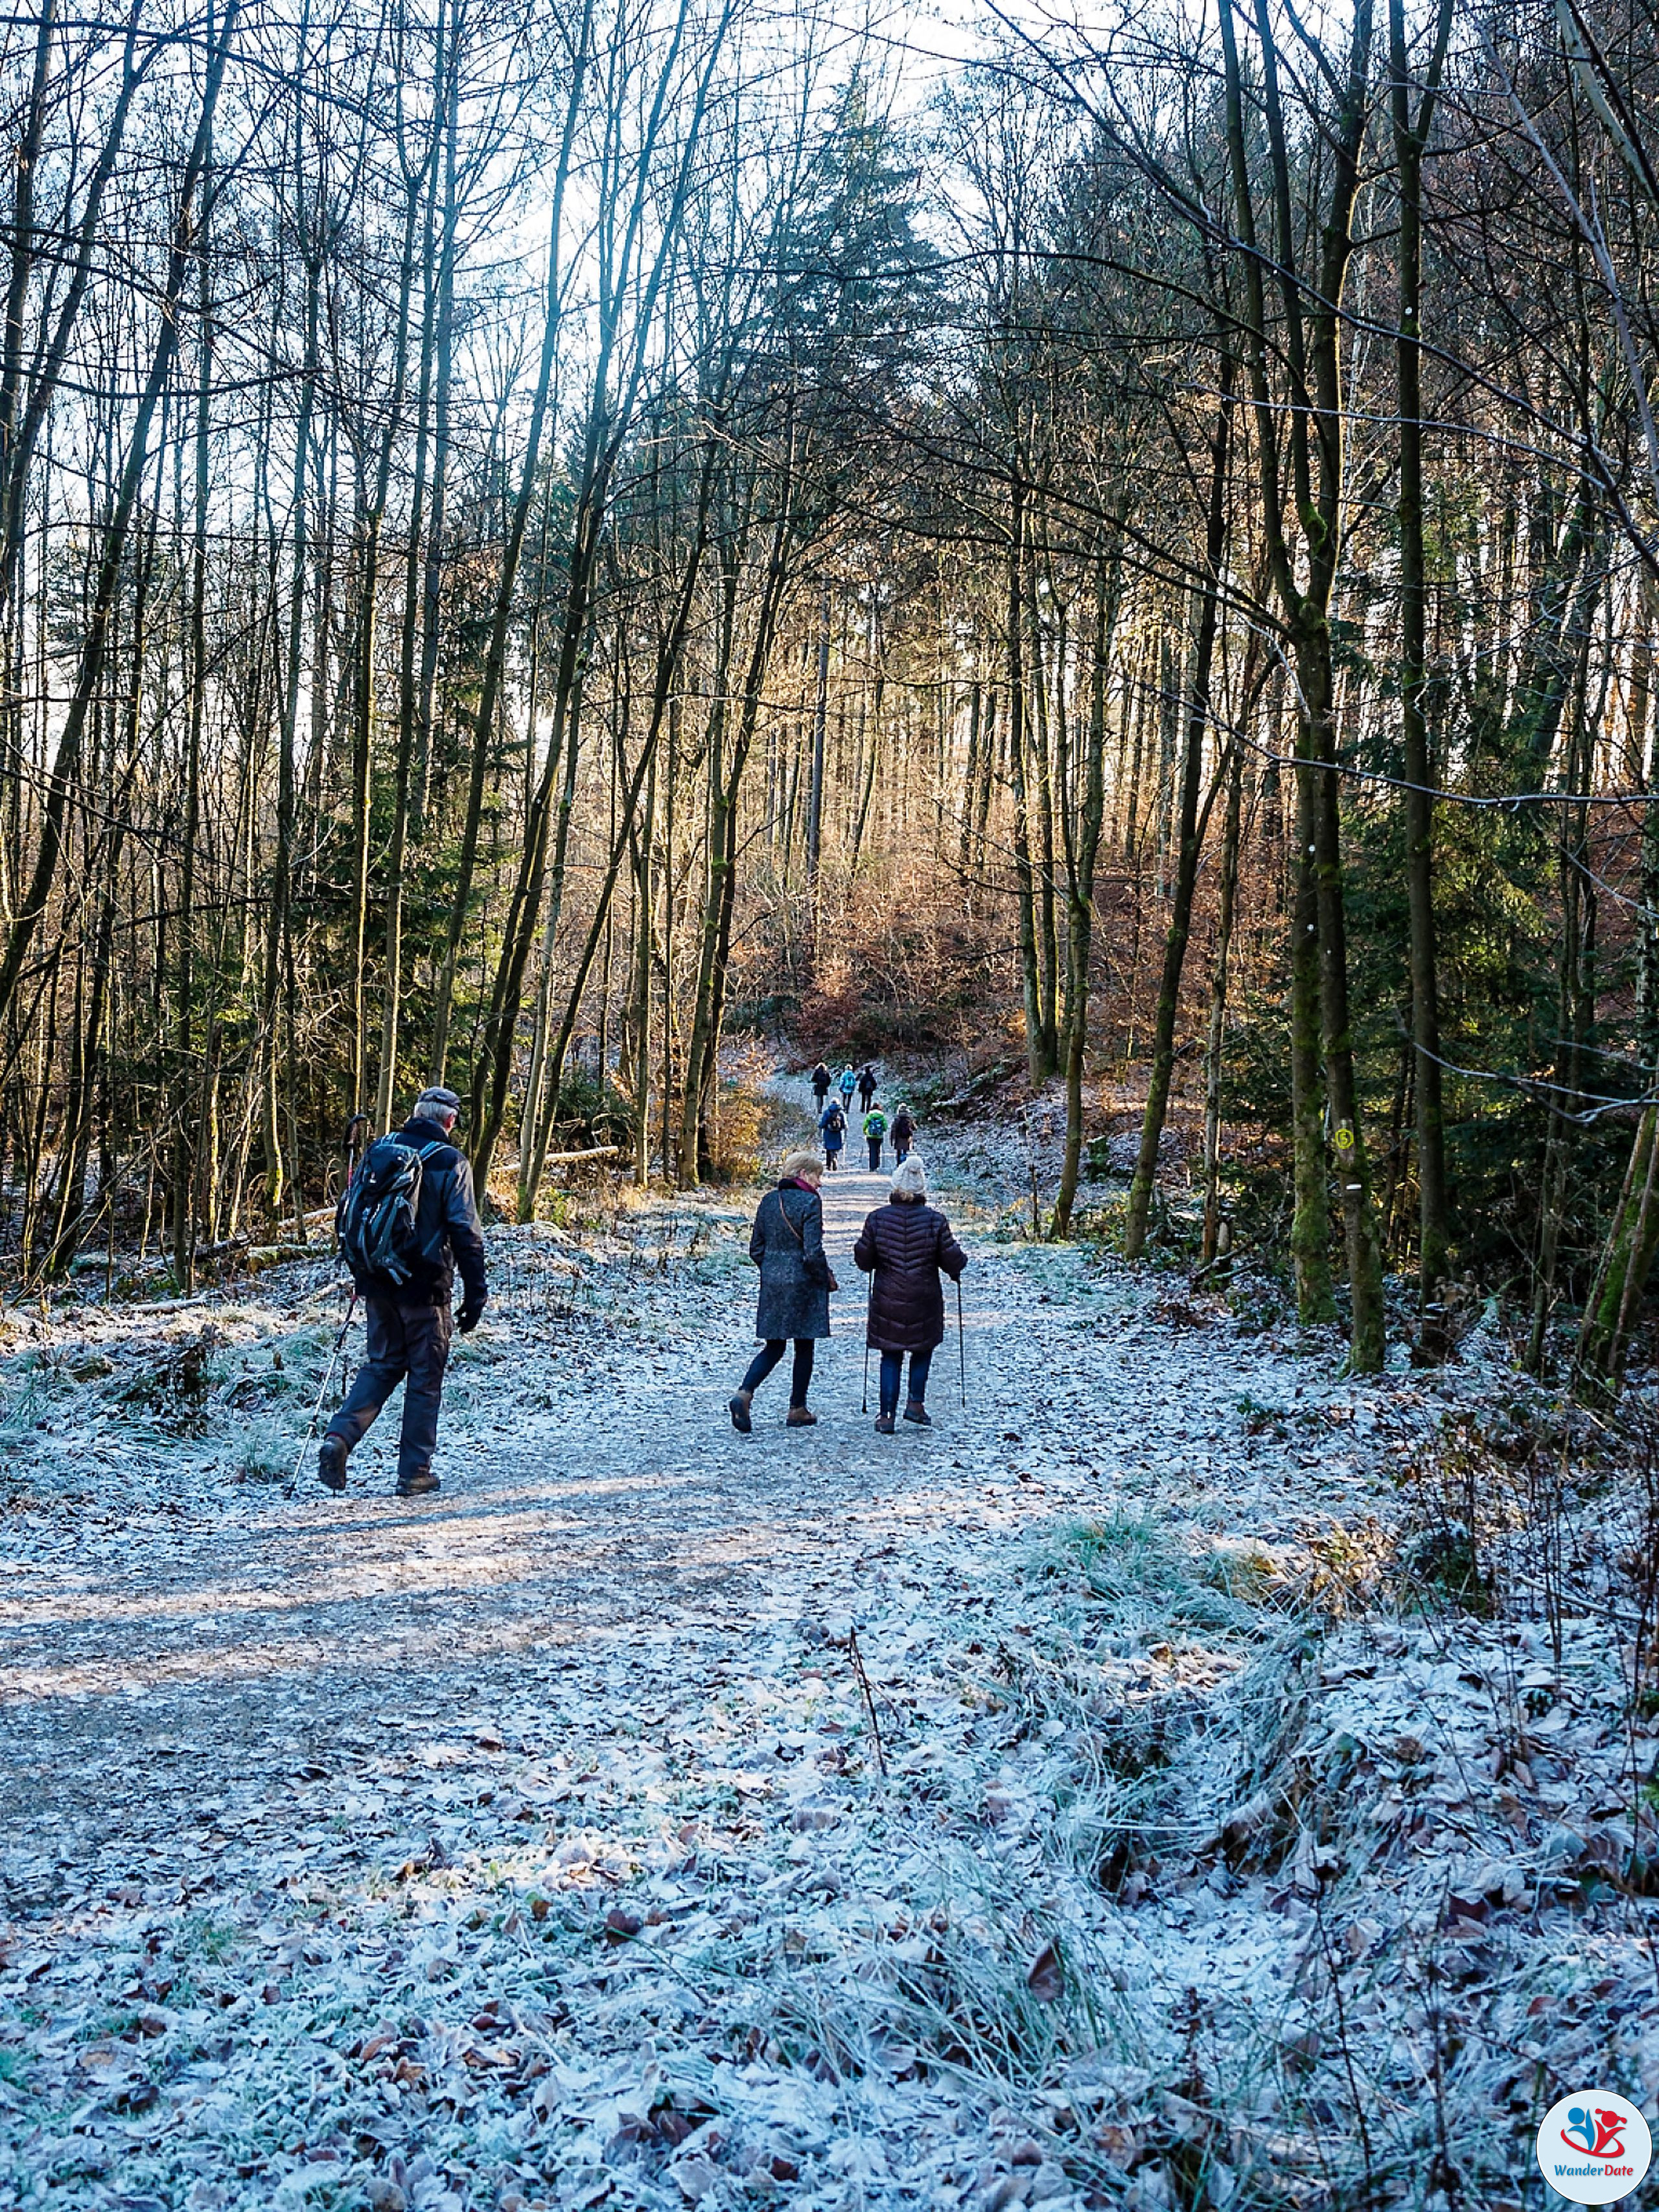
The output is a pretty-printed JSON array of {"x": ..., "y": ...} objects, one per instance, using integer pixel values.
[
  {"x": 916, "y": 1411},
  {"x": 884, "y": 1425},
  {"x": 740, "y": 1405},
  {"x": 416, "y": 1486},
  {"x": 801, "y": 1419},
  {"x": 331, "y": 1462}
]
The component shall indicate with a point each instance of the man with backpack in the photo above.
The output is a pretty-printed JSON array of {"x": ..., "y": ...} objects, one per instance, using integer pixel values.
[
  {"x": 875, "y": 1128},
  {"x": 407, "y": 1223},
  {"x": 832, "y": 1128}
]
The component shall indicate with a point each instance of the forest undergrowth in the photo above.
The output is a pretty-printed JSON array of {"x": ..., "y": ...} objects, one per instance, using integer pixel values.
[{"x": 1185, "y": 1779}]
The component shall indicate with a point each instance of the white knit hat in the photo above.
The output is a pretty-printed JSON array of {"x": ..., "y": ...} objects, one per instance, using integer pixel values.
[{"x": 910, "y": 1178}]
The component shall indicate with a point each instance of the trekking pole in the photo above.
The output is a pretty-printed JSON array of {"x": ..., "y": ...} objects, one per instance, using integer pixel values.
[
  {"x": 962, "y": 1347},
  {"x": 328, "y": 1376},
  {"x": 869, "y": 1303},
  {"x": 353, "y": 1145}
]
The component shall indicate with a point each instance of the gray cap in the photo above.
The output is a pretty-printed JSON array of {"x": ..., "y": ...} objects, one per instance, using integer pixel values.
[{"x": 445, "y": 1100}]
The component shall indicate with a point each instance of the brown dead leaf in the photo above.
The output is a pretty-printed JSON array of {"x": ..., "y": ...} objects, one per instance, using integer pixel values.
[
  {"x": 1117, "y": 2143},
  {"x": 1045, "y": 1978}
]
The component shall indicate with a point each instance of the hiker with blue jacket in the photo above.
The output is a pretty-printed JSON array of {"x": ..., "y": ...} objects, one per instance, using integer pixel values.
[
  {"x": 408, "y": 1223},
  {"x": 832, "y": 1128}
]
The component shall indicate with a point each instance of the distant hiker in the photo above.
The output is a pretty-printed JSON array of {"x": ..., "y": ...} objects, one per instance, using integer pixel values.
[
  {"x": 875, "y": 1128},
  {"x": 832, "y": 1128},
  {"x": 822, "y": 1079},
  {"x": 903, "y": 1130},
  {"x": 407, "y": 1222},
  {"x": 786, "y": 1245},
  {"x": 903, "y": 1246},
  {"x": 849, "y": 1084},
  {"x": 867, "y": 1086}
]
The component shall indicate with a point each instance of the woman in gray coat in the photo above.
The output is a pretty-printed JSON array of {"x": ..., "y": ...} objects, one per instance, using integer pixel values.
[{"x": 786, "y": 1245}]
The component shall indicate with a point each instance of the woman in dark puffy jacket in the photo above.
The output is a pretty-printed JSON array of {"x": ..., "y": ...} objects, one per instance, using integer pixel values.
[
  {"x": 903, "y": 1247},
  {"x": 786, "y": 1245}
]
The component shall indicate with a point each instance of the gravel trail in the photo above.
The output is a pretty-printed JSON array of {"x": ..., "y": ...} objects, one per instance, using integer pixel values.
[{"x": 659, "y": 1816}]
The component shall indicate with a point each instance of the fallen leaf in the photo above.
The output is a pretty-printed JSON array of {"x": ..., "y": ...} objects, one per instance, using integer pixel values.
[{"x": 1044, "y": 1977}]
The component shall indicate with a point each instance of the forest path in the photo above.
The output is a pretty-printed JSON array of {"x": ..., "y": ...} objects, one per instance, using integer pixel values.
[
  {"x": 281, "y": 1768},
  {"x": 262, "y": 1631}
]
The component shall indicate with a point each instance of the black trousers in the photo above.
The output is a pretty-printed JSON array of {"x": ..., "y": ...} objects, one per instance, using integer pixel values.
[
  {"x": 767, "y": 1358},
  {"x": 406, "y": 1338},
  {"x": 874, "y": 1143}
]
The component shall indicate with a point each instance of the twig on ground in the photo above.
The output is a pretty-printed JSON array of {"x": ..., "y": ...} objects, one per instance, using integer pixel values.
[{"x": 869, "y": 1701}]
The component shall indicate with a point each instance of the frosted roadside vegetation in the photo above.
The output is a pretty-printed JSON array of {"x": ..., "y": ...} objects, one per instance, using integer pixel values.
[{"x": 1184, "y": 1779}]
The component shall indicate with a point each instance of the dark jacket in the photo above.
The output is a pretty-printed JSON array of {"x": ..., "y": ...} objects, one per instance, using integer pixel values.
[
  {"x": 786, "y": 1245},
  {"x": 448, "y": 1235},
  {"x": 822, "y": 1078},
  {"x": 906, "y": 1243},
  {"x": 904, "y": 1127}
]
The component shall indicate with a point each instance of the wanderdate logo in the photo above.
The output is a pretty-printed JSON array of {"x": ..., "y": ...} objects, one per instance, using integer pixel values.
[{"x": 1593, "y": 2147}]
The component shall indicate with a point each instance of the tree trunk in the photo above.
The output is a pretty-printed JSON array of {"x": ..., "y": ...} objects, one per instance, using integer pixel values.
[
  {"x": 1031, "y": 979},
  {"x": 1310, "y": 1219},
  {"x": 703, "y": 1046},
  {"x": 184, "y": 1269},
  {"x": 1218, "y": 1024},
  {"x": 1145, "y": 1180},
  {"x": 1082, "y": 858},
  {"x": 583, "y": 552},
  {"x": 66, "y": 763},
  {"x": 1410, "y": 137}
]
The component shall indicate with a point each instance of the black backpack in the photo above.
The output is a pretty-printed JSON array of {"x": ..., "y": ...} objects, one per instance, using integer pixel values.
[{"x": 376, "y": 1212}]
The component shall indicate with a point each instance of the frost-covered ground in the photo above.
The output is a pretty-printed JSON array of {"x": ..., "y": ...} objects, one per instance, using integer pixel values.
[{"x": 1061, "y": 1807}]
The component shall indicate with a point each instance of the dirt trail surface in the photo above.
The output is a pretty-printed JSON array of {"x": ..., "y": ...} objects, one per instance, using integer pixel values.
[{"x": 1006, "y": 1814}]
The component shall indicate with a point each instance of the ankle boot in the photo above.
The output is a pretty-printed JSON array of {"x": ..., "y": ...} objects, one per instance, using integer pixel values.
[
  {"x": 916, "y": 1411},
  {"x": 884, "y": 1425},
  {"x": 740, "y": 1405},
  {"x": 331, "y": 1462},
  {"x": 801, "y": 1419}
]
